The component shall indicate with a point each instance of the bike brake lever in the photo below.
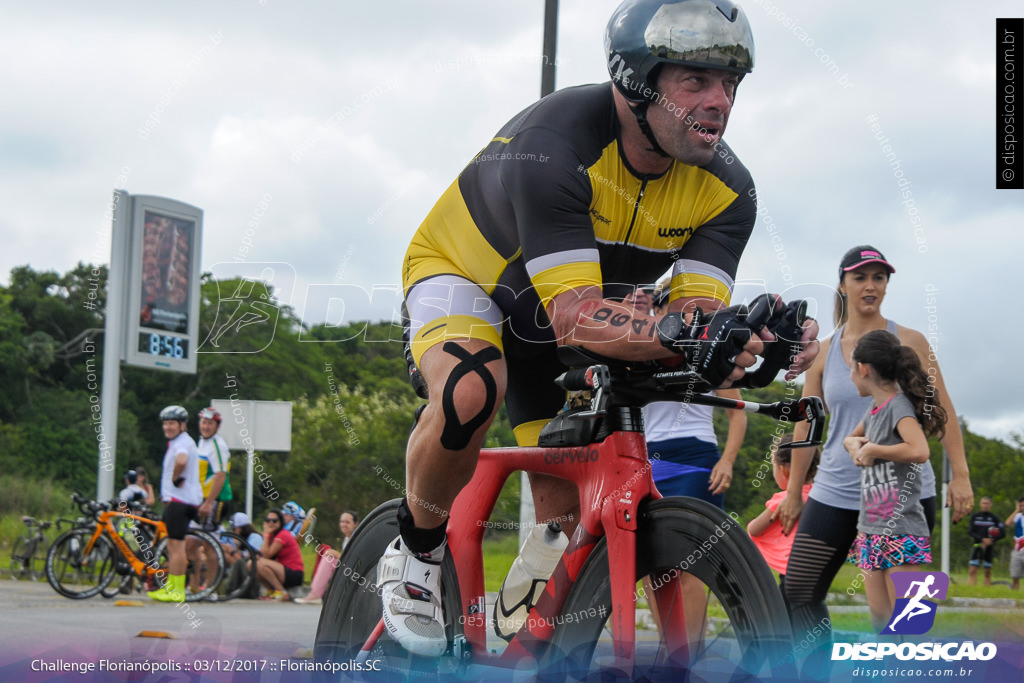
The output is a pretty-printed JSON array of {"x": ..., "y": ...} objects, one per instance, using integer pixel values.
[
  {"x": 812, "y": 410},
  {"x": 594, "y": 378}
]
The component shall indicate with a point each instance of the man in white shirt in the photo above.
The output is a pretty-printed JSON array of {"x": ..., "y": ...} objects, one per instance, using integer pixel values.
[{"x": 182, "y": 494}]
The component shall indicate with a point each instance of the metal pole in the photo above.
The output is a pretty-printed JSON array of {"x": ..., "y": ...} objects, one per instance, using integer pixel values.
[
  {"x": 946, "y": 476},
  {"x": 250, "y": 471},
  {"x": 113, "y": 332},
  {"x": 547, "y": 69},
  {"x": 547, "y": 86}
]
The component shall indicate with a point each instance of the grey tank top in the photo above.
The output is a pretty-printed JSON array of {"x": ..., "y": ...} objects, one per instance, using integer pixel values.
[{"x": 837, "y": 482}]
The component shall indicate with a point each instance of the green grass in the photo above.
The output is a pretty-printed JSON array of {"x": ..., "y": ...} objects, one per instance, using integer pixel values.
[
  {"x": 500, "y": 551},
  {"x": 848, "y": 579},
  {"x": 975, "y": 625}
]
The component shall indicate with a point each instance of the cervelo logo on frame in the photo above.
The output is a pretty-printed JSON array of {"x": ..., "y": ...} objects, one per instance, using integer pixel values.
[{"x": 914, "y": 613}]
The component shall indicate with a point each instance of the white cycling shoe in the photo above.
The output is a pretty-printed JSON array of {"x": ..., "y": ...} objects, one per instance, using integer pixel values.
[{"x": 410, "y": 591}]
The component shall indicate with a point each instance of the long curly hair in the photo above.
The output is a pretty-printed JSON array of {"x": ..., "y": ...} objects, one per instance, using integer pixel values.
[{"x": 897, "y": 363}]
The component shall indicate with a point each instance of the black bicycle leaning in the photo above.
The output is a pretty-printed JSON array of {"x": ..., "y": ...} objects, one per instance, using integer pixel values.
[
  {"x": 28, "y": 556},
  {"x": 241, "y": 571}
]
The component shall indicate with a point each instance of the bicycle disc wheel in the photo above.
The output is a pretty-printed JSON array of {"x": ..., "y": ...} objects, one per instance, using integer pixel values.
[
  {"x": 352, "y": 606},
  {"x": 238, "y": 580},
  {"x": 19, "y": 562},
  {"x": 38, "y": 560},
  {"x": 74, "y": 573},
  {"x": 205, "y": 567},
  {"x": 674, "y": 534}
]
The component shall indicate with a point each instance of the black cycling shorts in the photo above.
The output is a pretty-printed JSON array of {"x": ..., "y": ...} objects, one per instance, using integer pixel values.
[
  {"x": 292, "y": 578},
  {"x": 176, "y": 517},
  {"x": 221, "y": 511}
]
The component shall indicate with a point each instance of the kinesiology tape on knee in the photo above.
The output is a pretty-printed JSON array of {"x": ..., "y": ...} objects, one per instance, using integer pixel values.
[
  {"x": 416, "y": 539},
  {"x": 456, "y": 434}
]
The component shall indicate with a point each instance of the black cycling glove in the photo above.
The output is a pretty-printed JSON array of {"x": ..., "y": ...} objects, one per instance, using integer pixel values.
[{"x": 710, "y": 341}]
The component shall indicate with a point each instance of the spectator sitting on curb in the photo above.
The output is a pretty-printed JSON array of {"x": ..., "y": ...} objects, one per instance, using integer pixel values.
[
  {"x": 281, "y": 565},
  {"x": 329, "y": 560},
  {"x": 241, "y": 525},
  {"x": 293, "y": 517}
]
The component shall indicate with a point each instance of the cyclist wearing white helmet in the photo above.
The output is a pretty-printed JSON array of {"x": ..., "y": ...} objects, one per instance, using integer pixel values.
[
  {"x": 182, "y": 494},
  {"x": 577, "y": 200}
]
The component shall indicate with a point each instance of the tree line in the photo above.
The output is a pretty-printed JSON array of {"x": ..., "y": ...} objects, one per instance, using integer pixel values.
[{"x": 352, "y": 403}]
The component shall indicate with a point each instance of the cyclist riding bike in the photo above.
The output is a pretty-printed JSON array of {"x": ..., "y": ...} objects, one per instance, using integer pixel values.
[{"x": 573, "y": 203}]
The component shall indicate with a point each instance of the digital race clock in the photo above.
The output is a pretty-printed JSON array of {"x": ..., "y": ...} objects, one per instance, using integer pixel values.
[{"x": 165, "y": 345}]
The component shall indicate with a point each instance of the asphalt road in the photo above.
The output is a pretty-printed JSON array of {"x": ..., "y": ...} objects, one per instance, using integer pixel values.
[
  {"x": 42, "y": 633},
  {"x": 46, "y": 638},
  {"x": 40, "y": 629}
]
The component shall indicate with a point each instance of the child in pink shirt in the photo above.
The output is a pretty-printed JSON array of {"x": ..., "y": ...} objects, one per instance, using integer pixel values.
[{"x": 765, "y": 530}]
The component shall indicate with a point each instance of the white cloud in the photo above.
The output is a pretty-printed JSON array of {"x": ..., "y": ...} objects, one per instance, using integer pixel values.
[{"x": 421, "y": 88}]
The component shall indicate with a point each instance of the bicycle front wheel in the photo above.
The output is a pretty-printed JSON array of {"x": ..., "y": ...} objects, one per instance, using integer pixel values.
[
  {"x": 75, "y": 573},
  {"x": 19, "y": 560},
  {"x": 37, "y": 561},
  {"x": 352, "y": 604},
  {"x": 115, "y": 588},
  {"x": 205, "y": 568},
  {"x": 678, "y": 535}
]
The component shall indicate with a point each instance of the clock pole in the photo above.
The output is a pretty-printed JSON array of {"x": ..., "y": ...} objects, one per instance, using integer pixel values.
[{"x": 113, "y": 339}]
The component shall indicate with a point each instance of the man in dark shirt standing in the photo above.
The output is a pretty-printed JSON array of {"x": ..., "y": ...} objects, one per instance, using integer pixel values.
[{"x": 985, "y": 529}]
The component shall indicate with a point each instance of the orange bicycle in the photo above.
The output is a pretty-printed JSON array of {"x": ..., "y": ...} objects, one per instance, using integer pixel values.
[{"x": 86, "y": 560}]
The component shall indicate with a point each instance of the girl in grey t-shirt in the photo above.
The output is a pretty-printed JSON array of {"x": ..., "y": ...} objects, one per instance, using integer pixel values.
[{"x": 890, "y": 445}]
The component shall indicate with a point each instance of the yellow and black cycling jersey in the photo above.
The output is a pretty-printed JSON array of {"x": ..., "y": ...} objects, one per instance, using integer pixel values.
[{"x": 551, "y": 204}]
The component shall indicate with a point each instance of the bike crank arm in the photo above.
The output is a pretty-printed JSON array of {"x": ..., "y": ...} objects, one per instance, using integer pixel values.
[{"x": 371, "y": 642}]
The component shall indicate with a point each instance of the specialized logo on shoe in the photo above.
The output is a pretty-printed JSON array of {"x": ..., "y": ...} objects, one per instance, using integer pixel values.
[
  {"x": 417, "y": 593},
  {"x": 914, "y": 613}
]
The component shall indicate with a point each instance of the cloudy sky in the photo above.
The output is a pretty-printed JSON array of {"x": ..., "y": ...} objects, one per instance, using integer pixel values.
[{"x": 317, "y": 135}]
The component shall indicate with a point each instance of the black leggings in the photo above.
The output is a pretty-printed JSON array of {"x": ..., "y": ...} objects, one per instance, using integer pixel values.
[{"x": 820, "y": 547}]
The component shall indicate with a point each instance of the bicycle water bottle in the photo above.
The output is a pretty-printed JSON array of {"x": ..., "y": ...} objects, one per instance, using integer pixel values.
[{"x": 527, "y": 577}]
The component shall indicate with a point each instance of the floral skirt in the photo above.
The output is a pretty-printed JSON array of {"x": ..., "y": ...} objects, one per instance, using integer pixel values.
[{"x": 878, "y": 551}]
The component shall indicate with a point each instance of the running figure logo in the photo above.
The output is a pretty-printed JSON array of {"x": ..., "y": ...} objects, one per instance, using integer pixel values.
[{"x": 914, "y": 614}]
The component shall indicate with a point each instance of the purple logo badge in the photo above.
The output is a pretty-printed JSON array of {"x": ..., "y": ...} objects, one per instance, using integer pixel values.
[{"x": 914, "y": 613}]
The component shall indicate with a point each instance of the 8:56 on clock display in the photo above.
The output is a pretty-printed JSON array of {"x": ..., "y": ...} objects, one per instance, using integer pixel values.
[{"x": 165, "y": 345}]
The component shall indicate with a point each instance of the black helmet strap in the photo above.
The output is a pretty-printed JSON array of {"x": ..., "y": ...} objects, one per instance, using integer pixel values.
[{"x": 640, "y": 112}]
